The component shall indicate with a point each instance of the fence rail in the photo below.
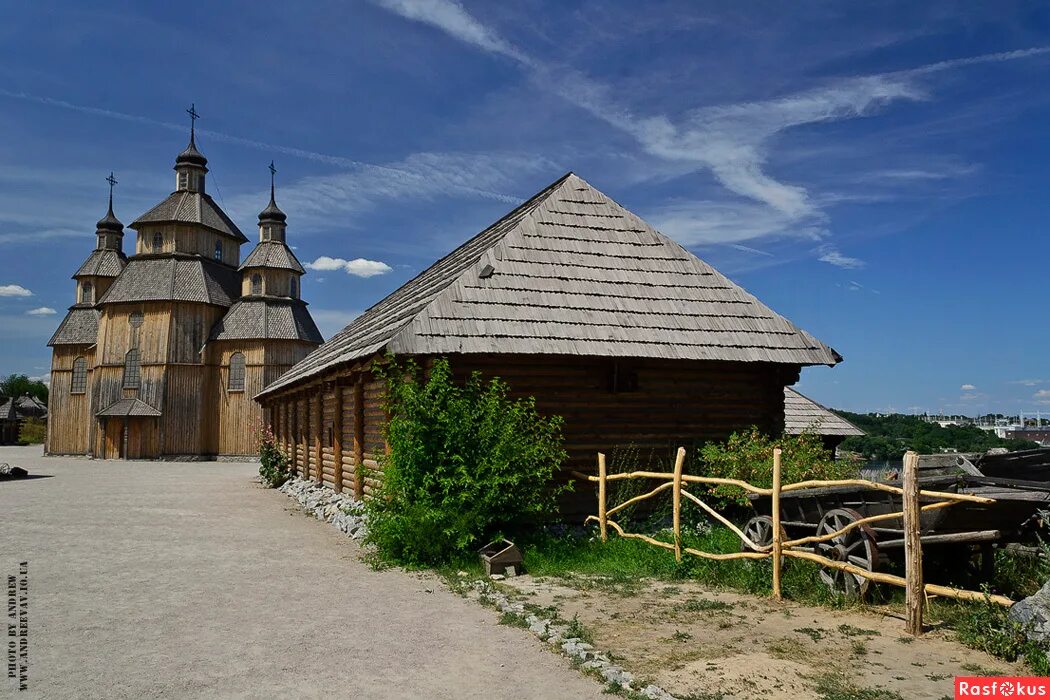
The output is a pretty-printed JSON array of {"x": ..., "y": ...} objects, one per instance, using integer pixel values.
[{"x": 780, "y": 547}]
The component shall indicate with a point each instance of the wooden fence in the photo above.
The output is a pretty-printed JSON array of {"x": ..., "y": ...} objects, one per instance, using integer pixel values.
[{"x": 676, "y": 482}]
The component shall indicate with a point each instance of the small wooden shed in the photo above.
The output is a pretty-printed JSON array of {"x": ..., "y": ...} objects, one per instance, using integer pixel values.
[
  {"x": 576, "y": 301},
  {"x": 804, "y": 415}
]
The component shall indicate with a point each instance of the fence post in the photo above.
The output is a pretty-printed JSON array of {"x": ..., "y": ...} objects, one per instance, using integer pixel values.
[
  {"x": 914, "y": 590},
  {"x": 679, "y": 461},
  {"x": 602, "y": 519},
  {"x": 776, "y": 524}
]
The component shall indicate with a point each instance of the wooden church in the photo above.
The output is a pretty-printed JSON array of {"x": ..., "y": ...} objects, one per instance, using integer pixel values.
[{"x": 165, "y": 349}]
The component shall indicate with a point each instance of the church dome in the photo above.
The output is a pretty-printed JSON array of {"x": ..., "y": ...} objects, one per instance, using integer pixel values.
[
  {"x": 272, "y": 212},
  {"x": 191, "y": 156},
  {"x": 110, "y": 222}
]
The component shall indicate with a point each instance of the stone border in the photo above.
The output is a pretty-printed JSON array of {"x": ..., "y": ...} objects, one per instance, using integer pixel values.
[{"x": 341, "y": 510}]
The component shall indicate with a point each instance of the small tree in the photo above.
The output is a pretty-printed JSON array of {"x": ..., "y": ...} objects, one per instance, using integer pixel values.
[
  {"x": 748, "y": 456},
  {"x": 465, "y": 460}
]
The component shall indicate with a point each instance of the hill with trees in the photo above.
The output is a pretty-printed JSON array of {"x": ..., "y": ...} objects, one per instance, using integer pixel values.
[{"x": 890, "y": 436}]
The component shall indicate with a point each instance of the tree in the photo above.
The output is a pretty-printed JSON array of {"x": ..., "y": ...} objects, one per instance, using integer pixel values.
[{"x": 15, "y": 385}]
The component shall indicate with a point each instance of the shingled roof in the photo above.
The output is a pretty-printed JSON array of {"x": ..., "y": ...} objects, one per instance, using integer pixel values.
[
  {"x": 191, "y": 208},
  {"x": 803, "y": 414},
  {"x": 129, "y": 407},
  {"x": 103, "y": 263},
  {"x": 21, "y": 407},
  {"x": 570, "y": 272},
  {"x": 272, "y": 254},
  {"x": 267, "y": 318},
  {"x": 79, "y": 327},
  {"x": 172, "y": 278}
]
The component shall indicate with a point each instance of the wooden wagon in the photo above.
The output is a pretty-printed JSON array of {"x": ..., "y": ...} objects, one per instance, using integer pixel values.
[{"x": 822, "y": 511}]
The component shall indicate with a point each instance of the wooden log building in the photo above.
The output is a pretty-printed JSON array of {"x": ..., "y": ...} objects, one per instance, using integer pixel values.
[
  {"x": 576, "y": 301},
  {"x": 164, "y": 350}
]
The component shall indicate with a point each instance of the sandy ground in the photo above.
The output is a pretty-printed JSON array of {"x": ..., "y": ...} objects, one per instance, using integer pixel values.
[
  {"x": 698, "y": 643},
  {"x": 189, "y": 580}
]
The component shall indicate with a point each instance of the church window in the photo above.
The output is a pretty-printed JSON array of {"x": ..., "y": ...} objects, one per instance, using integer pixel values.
[
  {"x": 132, "y": 370},
  {"x": 78, "y": 380},
  {"x": 218, "y": 250},
  {"x": 291, "y": 287},
  {"x": 87, "y": 293},
  {"x": 256, "y": 283},
  {"x": 135, "y": 318},
  {"x": 266, "y": 233},
  {"x": 158, "y": 241},
  {"x": 184, "y": 180},
  {"x": 236, "y": 381}
]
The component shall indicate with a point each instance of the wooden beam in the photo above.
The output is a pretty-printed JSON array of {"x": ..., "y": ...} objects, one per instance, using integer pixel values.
[
  {"x": 359, "y": 438},
  {"x": 777, "y": 530},
  {"x": 318, "y": 430},
  {"x": 914, "y": 590},
  {"x": 337, "y": 438}
]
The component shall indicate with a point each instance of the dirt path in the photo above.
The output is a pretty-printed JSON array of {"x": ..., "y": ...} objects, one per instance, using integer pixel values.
[
  {"x": 176, "y": 580},
  {"x": 698, "y": 643}
]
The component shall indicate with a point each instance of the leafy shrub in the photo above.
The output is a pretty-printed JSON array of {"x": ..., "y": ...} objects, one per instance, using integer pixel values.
[
  {"x": 465, "y": 460},
  {"x": 987, "y": 626},
  {"x": 274, "y": 467},
  {"x": 33, "y": 431},
  {"x": 748, "y": 456}
]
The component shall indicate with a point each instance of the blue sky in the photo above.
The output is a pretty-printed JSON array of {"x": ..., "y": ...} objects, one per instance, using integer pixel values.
[{"x": 878, "y": 176}]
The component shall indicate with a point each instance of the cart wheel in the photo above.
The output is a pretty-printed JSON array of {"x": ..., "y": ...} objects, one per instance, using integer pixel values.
[
  {"x": 759, "y": 530},
  {"x": 856, "y": 547}
]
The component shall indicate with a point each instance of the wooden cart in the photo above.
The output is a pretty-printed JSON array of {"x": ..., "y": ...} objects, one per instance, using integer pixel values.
[{"x": 822, "y": 511}]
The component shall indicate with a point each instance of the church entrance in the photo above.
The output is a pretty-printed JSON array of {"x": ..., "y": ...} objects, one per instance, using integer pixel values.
[{"x": 113, "y": 447}]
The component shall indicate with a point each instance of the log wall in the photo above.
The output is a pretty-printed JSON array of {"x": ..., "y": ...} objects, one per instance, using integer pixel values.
[{"x": 652, "y": 405}]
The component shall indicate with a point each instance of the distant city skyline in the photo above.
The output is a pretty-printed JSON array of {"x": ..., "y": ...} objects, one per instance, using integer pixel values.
[{"x": 876, "y": 175}]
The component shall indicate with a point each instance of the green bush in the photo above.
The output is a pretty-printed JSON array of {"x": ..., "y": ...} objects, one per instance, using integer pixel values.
[
  {"x": 748, "y": 456},
  {"x": 465, "y": 461},
  {"x": 273, "y": 463},
  {"x": 33, "y": 431}
]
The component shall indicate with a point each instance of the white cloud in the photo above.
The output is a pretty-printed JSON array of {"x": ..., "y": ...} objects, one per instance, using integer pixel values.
[
  {"x": 1030, "y": 382},
  {"x": 967, "y": 387},
  {"x": 359, "y": 267},
  {"x": 1042, "y": 396},
  {"x": 832, "y": 256},
  {"x": 453, "y": 19},
  {"x": 326, "y": 202},
  {"x": 731, "y": 141},
  {"x": 45, "y": 378},
  {"x": 42, "y": 311},
  {"x": 14, "y": 290}
]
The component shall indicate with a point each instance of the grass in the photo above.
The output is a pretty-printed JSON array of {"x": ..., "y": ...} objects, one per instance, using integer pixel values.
[{"x": 833, "y": 686}]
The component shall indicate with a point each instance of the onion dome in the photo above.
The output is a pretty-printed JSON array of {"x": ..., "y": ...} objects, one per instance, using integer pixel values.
[
  {"x": 110, "y": 223},
  {"x": 191, "y": 156}
]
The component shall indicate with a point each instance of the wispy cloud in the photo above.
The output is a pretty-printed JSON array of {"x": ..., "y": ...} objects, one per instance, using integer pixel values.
[
  {"x": 14, "y": 290},
  {"x": 390, "y": 172},
  {"x": 1042, "y": 396},
  {"x": 967, "y": 387},
  {"x": 325, "y": 202},
  {"x": 358, "y": 267},
  {"x": 832, "y": 256},
  {"x": 1030, "y": 382},
  {"x": 731, "y": 141},
  {"x": 42, "y": 311}
]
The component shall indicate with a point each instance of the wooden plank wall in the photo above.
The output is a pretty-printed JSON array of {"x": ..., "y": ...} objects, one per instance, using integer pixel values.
[{"x": 69, "y": 415}]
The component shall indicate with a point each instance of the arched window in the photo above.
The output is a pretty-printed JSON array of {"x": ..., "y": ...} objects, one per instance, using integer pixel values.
[
  {"x": 158, "y": 241},
  {"x": 132, "y": 373},
  {"x": 291, "y": 287},
  {"x": 256, "y": 283},
  {"x": 218, "y": 249},
  {"x": 78, "y": 380},
  {"x": 87, "y": 293},
  {"x": 236, "y": 381}
]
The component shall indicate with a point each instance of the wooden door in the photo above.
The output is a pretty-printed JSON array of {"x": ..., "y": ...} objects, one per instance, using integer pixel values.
[{"x": 114, "y": 439}]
